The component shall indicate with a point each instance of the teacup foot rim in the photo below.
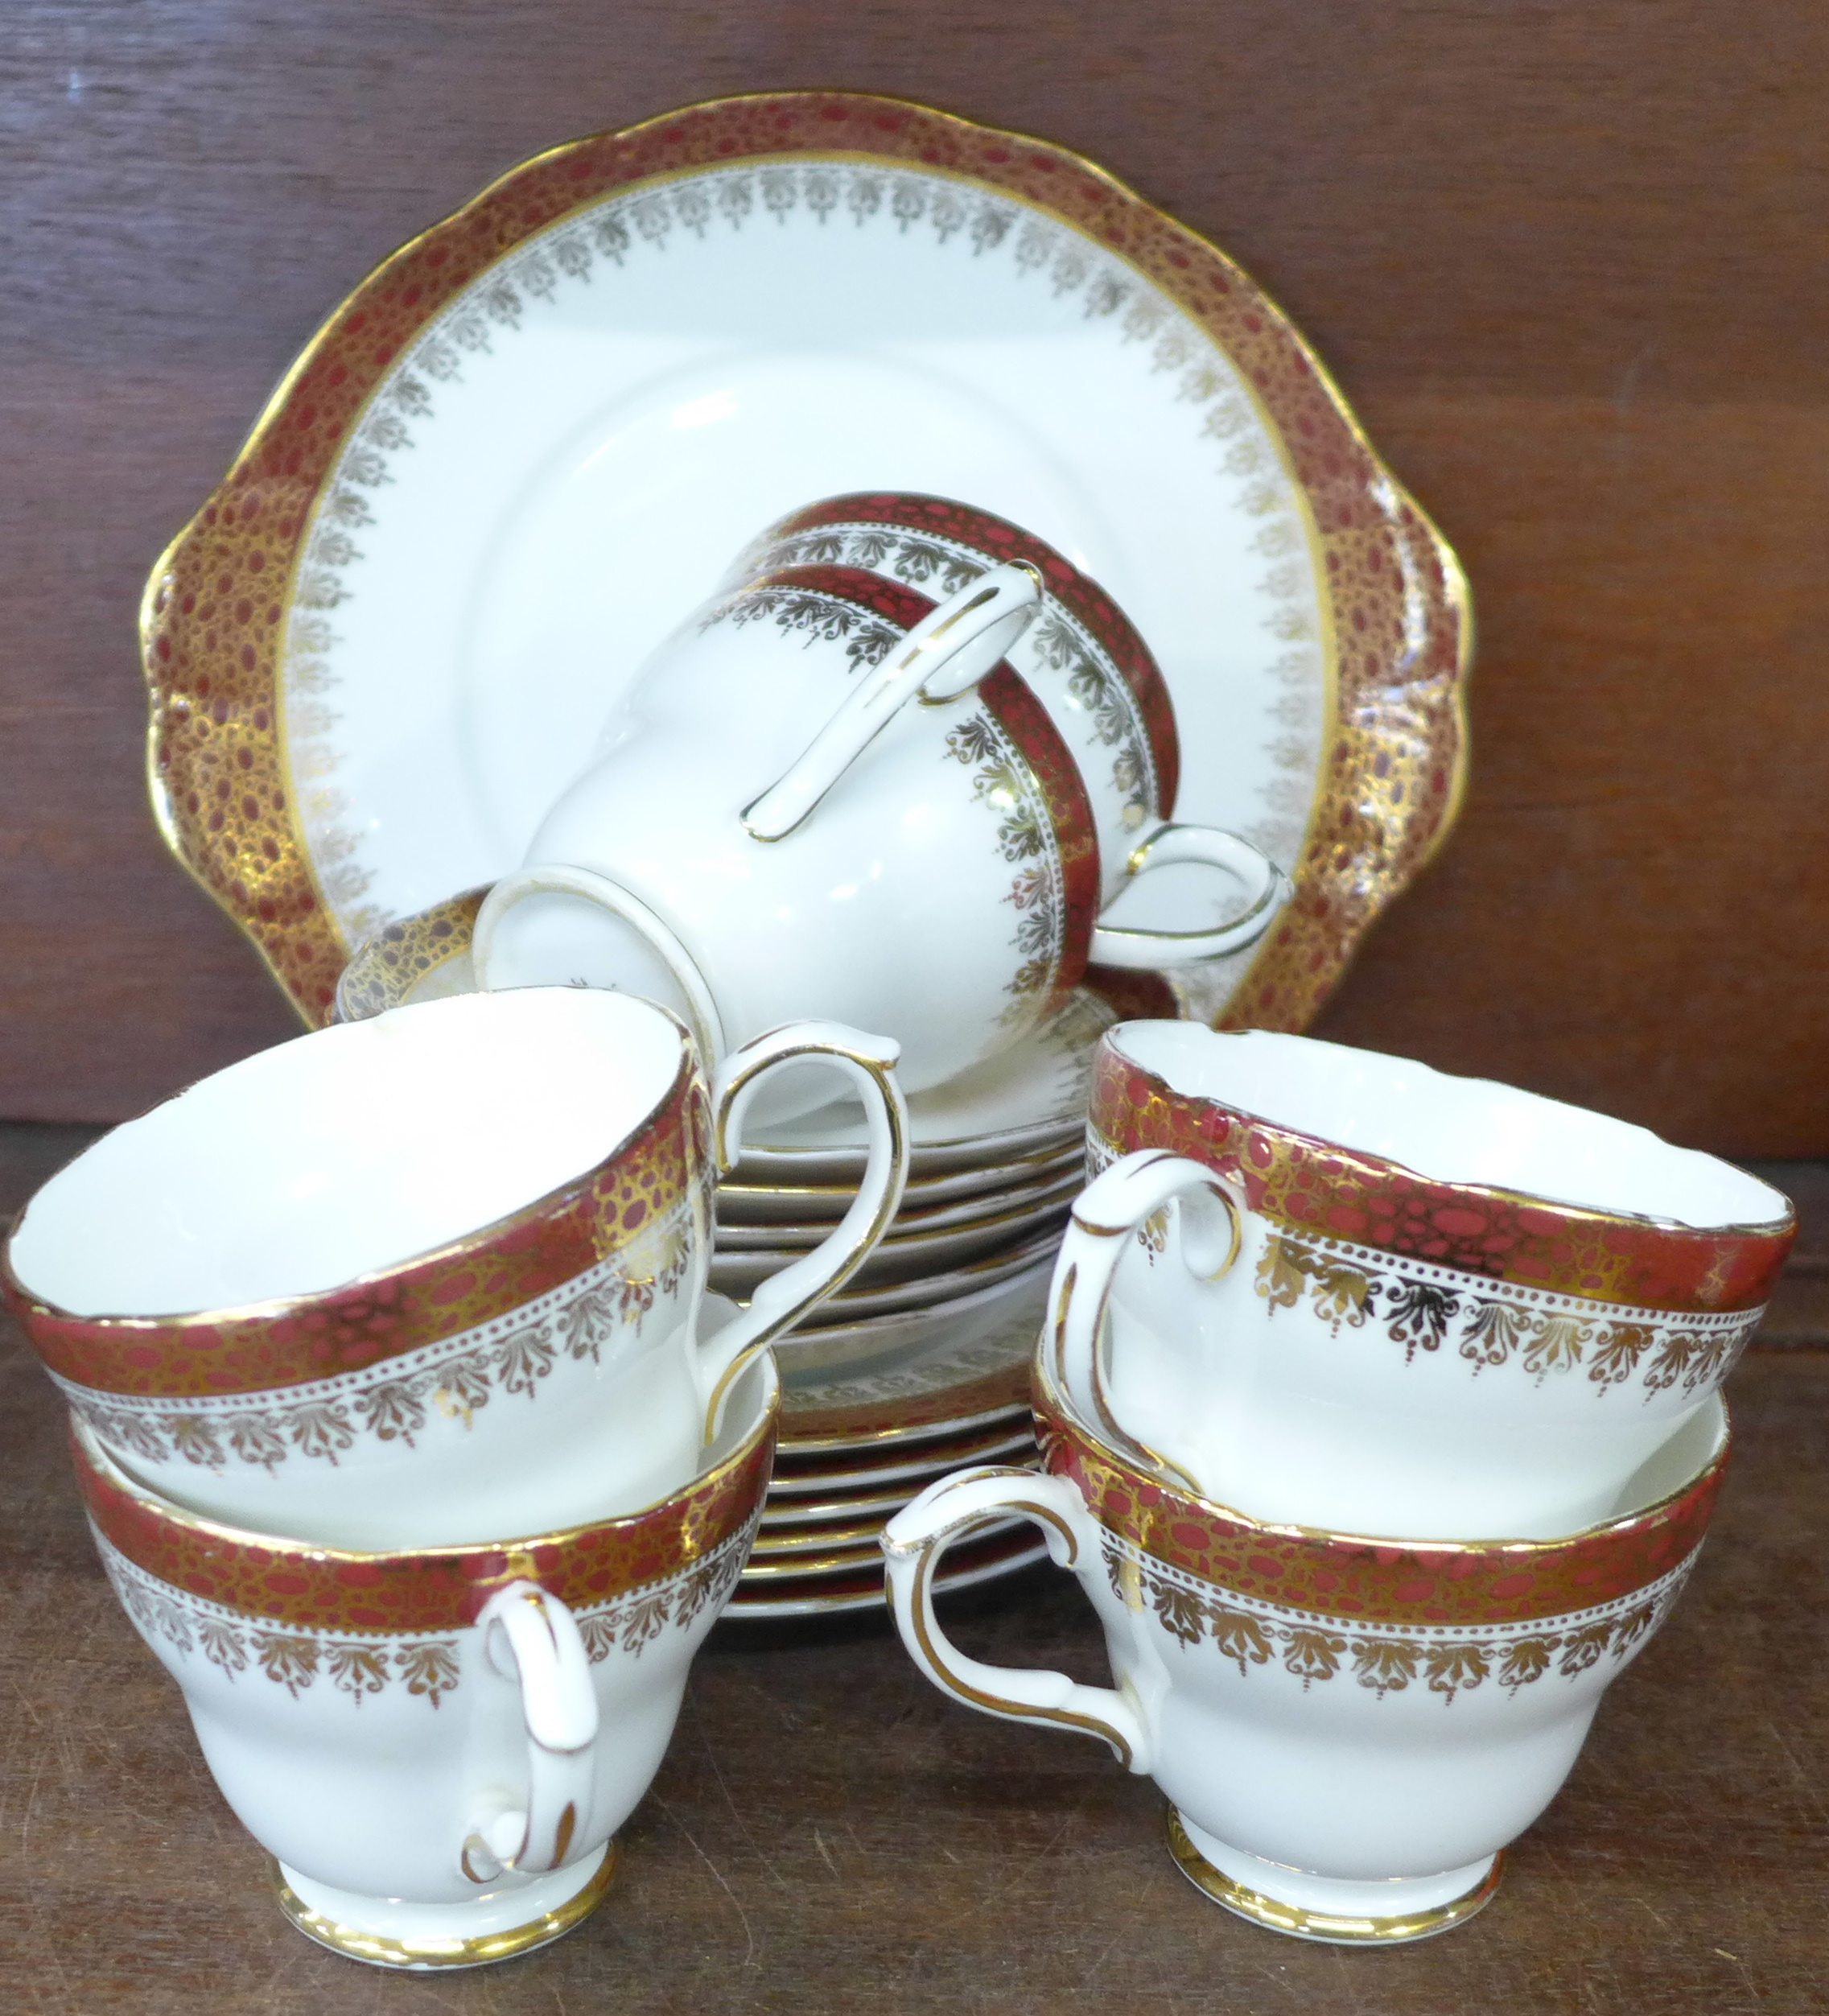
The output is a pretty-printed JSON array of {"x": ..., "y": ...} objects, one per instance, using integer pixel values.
[
  {"x": 1300, "y": 1920},
  {"x": 433, "y": 1938}
]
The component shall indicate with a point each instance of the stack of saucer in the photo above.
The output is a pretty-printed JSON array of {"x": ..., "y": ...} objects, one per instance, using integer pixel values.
[{"x": 922, "y": 1367}]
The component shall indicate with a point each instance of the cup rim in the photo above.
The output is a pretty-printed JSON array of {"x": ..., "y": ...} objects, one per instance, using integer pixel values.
[
  {"x": 1056, "y": 1413},
  {"x": 92, "y": 1455},
  {"x": 1098, "y": 612},
  {"x": 1532, "y": 1200},
  {"x": 280, "y": 1308}
]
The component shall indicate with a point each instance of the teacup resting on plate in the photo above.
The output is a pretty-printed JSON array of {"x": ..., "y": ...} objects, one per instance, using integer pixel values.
[
  {"x": 932, "y": 862},
  {"x": 1349, "y": 1729},
  {"x": 430, "y": 1278},
  {"x": 1369, "y": 1295},
  {"x": 436, "y": 1745}
]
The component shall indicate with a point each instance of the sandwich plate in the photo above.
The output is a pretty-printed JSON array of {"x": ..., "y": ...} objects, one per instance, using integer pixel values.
[{"x": 533, "y": 440}]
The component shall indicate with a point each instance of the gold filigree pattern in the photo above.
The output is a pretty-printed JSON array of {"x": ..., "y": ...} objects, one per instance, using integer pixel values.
[
  {"x": 391, "y": 1401},
  {"x": 386, "y": 968},
  {"x": 257, "y": 572},
  {"x": 1345, "y": 1582},
  {"x": 424, "y": 1668},
  {"x": 1254, "y": 1635},
  {"x": 1435, "y": 1308},
  {"x": 931, "y": 542},
  {"x": 300, "y": 1591},
  {"x": 1319, "y": 1190}
]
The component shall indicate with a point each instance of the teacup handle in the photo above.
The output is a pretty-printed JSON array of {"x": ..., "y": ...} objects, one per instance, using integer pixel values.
[
  {"x": 555, "y": 879},
  {"x": 1106, "y": 1214},
  {"x": 913, "y": 1543},
  {"x": 783, "y": 1299},
  {"x": 529, "y": 1637},
  {"x": 945, "y": 654},
  {"x": 1127, "y": 946}
]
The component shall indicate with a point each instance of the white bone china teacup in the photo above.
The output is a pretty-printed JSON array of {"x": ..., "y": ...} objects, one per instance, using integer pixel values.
[{"x": 432, "y": 1277}]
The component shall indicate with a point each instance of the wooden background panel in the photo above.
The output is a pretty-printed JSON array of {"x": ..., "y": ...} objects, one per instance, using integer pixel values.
[{"x": 1564, "y": 258}]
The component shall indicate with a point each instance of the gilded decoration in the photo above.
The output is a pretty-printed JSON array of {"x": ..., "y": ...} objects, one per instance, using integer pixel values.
[
  {"x": 482, "y": 1280},
  {"x": 394, "y": 1401},
  {"x": 1312, "y": 1647},
  {"x": 1317, "y": 1190},
  {"x": 317, "y": 1593},
  {"x": 1419, "y": 1308},
  {"x": 1083, "y": 635},
  {"x": 424, "y": 1667},
  {"x": 385, "y": 969},
  {"x": 260, "y": 560},
  {"x": 1024, "y": 773},
  {"x": 1363, "y": 1581}
]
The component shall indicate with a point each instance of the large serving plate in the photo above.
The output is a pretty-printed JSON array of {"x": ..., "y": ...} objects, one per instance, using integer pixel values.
[{"x": 533, "y": 439}]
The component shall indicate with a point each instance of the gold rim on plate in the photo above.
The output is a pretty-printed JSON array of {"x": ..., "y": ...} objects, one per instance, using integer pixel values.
[{"x": 1395, "y": 613}]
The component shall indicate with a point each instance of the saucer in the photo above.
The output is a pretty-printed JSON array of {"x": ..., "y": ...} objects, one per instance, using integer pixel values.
[
  {"x": 870, "y": 1470},
  {"x": 1022, "y": 1111},
  {"x": 536, "y": 436},
  {"x": 965, "y": 1567},
  {"x": 731, "y": 1274},
  {"x": 921, "y": 1352},
  {"x": 906, "y": 1256},
  {"x": 925, "y": 1197},
  {"x": 1005, "y": 1210},
  {"x": 965, "y": 1375}
]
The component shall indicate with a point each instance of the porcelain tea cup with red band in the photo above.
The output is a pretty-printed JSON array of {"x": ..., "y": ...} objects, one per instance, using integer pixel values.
[
  {"x": 431, "y": 1277},
  {"x": 1349, "y": 1729},
  {"x": 436, "y": 1745},
  {"x": 826, "y": 794},
  {"x": 1081, "y": 657},
  {"x": 1365, "y": 1294}
]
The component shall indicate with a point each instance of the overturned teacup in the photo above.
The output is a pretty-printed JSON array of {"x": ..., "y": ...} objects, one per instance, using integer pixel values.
[
  {"x": 429, "y": 1278},
  {"x": 827, "y": 794},
  {"x": 1350, "y": 1729}
]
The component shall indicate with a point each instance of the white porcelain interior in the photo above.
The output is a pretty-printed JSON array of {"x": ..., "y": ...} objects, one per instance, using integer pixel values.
[
  {"x": 587, "y": 1397},
  {"x": 561, "y": 491},
  {"x": 1453, "y": 1130},
  {"x": 365, "y": 1761},
  {"x": 344, "y": 1152}
]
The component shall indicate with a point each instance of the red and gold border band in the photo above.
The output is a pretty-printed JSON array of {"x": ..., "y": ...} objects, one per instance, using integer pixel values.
[
  {"x": 1317, "y": 1187},
  {"x": 1364, "y": 1581},
  {"x": 428, "y": 1589},
  {"x": 398, "y": 1309},
  {"x": 1082, "y": 597},
  {"x": 1022, "y": 717},
  {"x": 386, "y": 968},
  {"x": 213, "y": 611}
]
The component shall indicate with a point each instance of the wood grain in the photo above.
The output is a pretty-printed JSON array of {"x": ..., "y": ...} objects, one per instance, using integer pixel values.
[
  {"x": 828, "y": 1833},
  {"x": 1563, "y": 258}
]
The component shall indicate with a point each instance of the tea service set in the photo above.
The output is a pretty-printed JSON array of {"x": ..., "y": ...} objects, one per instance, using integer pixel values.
[
  {"x": 688, "y": 1218},
  {"x": 417, "y": 1440}
]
